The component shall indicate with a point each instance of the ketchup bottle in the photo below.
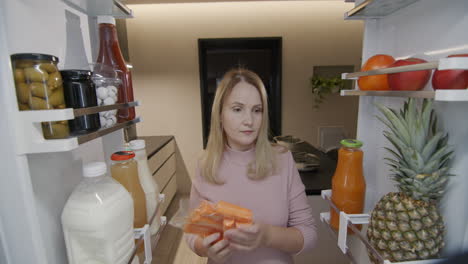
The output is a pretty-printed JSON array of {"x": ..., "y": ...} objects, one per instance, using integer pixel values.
[
  {"x": 348, "y": 183},
  {"x": 110, "y": 55}
]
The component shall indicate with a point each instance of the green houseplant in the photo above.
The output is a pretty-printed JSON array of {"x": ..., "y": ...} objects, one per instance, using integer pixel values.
[{"x": 324, "y": 86}]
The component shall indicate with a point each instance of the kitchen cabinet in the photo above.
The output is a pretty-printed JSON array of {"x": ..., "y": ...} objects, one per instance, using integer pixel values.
[{"x": 162, "y": 163}]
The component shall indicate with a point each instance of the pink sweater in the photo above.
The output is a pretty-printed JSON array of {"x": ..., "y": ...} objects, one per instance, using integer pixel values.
[{"x": 278, "y": 200}]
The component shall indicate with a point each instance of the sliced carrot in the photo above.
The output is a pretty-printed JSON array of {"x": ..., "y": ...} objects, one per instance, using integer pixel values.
[
  {"x": 234, "y": 211},
  {"x": 228, "y": 223},
  {"x": 208, "y": 218}
]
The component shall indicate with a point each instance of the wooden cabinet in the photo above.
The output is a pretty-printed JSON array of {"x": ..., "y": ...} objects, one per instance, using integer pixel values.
[{"x": 162, "y": 163}]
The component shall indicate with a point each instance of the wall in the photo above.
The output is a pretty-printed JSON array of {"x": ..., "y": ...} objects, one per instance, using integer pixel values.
[{"x": 164, "y": 52}]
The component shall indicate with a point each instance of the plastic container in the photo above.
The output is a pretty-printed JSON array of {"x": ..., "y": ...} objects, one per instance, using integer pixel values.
[
  {"x": 111, "y": 55},
  {"x": 97, "y": 219},
  {"x": 150, "y": 187},
  {"x": 80, "y": 93},
  {"x": 348, "y": 183},
  {"x": 124, "y": 169},
  {"x": 39, "y": 87}
]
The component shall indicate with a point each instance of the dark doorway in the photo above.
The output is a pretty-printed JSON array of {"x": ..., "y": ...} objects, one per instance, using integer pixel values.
[{"x": 260, "y": 55}]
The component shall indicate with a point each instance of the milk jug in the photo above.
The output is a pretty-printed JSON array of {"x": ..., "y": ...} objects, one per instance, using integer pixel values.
[
  {"x": 97, "y": 219},
  {"x": 150, "y": 187}
]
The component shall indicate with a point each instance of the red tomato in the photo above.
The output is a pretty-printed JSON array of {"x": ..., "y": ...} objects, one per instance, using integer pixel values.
[
  {"x": 451, "y": 79},
  {"x": 375, "y": 82},
  {"x": 408, "y": 81}
]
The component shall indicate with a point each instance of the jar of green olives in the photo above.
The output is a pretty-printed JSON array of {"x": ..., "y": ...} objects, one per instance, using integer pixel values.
[{"x": 39, "y": 87}]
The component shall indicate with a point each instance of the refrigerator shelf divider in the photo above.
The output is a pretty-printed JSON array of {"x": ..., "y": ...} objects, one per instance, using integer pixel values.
[
  {"x": 97, "y": 109},
  {"x": 350, "y": 221},
  {"x": 143, "y": 235}
]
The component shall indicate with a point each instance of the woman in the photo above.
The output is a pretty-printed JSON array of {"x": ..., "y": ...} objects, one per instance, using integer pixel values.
[{"x": 242, "y": 167}]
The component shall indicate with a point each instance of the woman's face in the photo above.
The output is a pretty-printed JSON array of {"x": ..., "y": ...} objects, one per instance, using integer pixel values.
[{"x": 241, "y": 116}]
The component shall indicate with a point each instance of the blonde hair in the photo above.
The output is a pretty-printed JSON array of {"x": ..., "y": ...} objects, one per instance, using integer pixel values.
[{"x": 265, "y": 158}]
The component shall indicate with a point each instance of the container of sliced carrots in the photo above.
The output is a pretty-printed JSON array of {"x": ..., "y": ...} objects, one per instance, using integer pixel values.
[{"x": 211, "y": 218}]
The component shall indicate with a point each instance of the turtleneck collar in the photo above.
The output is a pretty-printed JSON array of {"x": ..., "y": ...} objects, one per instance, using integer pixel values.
[{"x": 239, "y": 157}]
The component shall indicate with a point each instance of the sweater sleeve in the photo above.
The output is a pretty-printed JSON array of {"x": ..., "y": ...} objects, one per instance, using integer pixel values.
[
  {"x": 300, "y": 214},
  {"x": 195, "y": 200}
]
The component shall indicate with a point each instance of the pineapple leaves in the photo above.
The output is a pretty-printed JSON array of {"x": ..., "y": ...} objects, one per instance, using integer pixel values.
[
  {"x": 426, "y": 115},
  {"x": 431, "y": 145},
  {"x": 397, "y": 123},
  {"x": 420, "y": 155}
]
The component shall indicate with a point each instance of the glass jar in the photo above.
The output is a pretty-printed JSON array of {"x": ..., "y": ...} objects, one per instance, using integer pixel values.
[
  {"x": 348, "y": 183},
  {"x": 108, "y": 84},
  {"x": 124, "y": 169},
  {"x": 80, "y": 93},
  {"x": 39, "y": 87}
]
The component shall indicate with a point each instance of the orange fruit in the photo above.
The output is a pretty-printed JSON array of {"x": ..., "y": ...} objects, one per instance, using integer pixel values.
[{"x": 375, "y": 82}]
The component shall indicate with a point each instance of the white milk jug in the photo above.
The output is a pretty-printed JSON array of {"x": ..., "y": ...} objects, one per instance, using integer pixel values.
[
  {"x": 149, "y": 185},
  {"x": 97, "y": 220}
]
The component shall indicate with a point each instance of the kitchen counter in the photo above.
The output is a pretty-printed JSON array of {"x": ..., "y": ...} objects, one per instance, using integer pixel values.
[{"x": 320, "y": 179}]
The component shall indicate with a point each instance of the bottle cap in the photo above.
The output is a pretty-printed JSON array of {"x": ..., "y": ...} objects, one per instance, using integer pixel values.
[
  {"x": 137, "y": 144},
  {"x": 351, "y": 143},
  {"x": 34, "y": 56},
  {"x": 105, "y": 20},
  {"x": 76, "y": 74},
  {"x": 123, "y": 155},
  {"x": 94, "y": 169}
]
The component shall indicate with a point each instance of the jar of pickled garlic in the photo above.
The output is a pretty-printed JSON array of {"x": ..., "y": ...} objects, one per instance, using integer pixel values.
[{"x": 39, "y": 87}]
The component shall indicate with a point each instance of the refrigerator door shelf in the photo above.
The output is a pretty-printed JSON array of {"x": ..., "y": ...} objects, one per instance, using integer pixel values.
[
  {"x": 376, "y": 8},
  {"x": 454, "y": 63},
  {"x": 113, "y": 8},
  {"x": 143, "y": 235},
  {"x": 33, "y": 141},
  {"x": 437, "y": 95},
  {"x": 349, "y": 221}
]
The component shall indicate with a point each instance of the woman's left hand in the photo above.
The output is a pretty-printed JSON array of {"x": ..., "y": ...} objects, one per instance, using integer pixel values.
[{"x": 247, "y": 238}]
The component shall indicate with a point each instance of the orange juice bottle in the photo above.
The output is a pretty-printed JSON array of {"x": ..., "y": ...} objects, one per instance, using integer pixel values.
[
  {"x": 348, "y": 183},
  {"x": 124, "y": 169}
]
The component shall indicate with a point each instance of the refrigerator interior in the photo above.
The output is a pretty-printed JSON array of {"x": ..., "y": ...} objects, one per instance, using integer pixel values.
[
  {"x": 429, "y": 29},
  {"x": 36, "y": 186}
]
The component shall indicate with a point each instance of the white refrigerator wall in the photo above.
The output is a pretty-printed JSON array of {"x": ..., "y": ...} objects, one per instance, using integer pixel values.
[
  {"x": 35, "y": 187},
  {"x": 427, "y": 29}
]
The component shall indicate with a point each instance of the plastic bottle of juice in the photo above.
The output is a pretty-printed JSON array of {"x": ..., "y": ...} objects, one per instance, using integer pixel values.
[
  {"x": 348, "y": 183},
  {"x": 150, "y": 187},
  {"x": 97, "y": 219},
  {"x": 124, "y": 169}
]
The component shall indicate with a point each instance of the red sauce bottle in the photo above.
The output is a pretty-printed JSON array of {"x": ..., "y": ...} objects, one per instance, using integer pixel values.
[{"x": 110, "y": 55}]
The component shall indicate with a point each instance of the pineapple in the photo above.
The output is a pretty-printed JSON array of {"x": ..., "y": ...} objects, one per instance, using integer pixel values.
[{"x": 407, "y": 225}]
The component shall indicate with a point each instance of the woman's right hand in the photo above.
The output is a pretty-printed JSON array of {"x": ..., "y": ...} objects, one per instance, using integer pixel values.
[{"x": 218, "y": 252}]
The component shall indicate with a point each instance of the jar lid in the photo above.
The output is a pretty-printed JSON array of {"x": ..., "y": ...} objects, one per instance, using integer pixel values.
[
  {"x": 137, "y": 144},
  {"x": 76, "y": 74},
  {"x": 106, "y": 20},
  {"x": 123, "y": 155},
  {"x": 94, "y": 169},
  {"x": 351, "y": 143},
  {"x": 34, "y": 56}
]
